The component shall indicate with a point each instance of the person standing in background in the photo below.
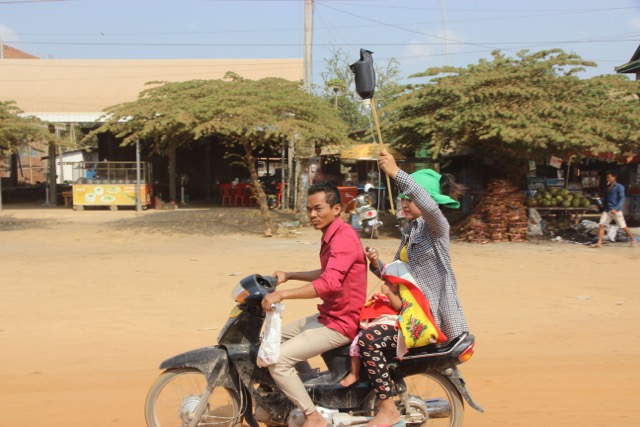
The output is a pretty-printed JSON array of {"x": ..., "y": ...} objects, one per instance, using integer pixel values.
[{"x": 613, "y": 210}]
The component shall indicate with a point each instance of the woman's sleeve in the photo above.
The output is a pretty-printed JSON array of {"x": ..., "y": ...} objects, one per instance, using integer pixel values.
[{"x": 431, "y": 212}]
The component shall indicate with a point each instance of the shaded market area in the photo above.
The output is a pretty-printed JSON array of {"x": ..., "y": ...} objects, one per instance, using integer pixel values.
[{"x": 512, "y": 195}]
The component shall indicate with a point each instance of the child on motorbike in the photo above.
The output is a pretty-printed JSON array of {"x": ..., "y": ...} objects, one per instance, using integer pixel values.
[{"x": 381, "y": 309}]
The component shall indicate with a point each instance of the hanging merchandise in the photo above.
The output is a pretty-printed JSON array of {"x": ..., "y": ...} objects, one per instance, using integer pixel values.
[{"x": 556, "y": 162}]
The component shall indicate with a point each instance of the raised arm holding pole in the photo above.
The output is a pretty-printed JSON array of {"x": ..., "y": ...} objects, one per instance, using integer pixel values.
[{"x": 365, "y": 86}]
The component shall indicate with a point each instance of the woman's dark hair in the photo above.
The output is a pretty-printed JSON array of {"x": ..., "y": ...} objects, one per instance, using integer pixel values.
[
  {"x": 449, "y": 186},
  {"x": 331, "y": 192}
]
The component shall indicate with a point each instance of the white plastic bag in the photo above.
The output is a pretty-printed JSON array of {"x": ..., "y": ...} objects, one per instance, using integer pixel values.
[{"x": 270, "y": 347}]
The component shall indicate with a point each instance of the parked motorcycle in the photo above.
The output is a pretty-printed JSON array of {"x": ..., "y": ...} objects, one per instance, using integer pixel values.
[
  {"x": 400, "y": 215},
  {"x": 366, "y": 215},
  {"x": 270, "y": 187},
  {"x": 221, "y": 385}
]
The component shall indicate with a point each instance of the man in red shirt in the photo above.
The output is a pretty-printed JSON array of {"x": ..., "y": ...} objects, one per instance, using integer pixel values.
[{"x": 341, "y": 284}]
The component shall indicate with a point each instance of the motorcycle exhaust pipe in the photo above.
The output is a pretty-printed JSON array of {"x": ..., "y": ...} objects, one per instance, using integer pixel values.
[{"x": 438, "y": 408}]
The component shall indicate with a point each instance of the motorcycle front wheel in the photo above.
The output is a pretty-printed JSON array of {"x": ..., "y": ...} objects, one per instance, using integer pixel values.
[
  {"x": 179, "y": 395},
  {"x": 431, "y": 401}
]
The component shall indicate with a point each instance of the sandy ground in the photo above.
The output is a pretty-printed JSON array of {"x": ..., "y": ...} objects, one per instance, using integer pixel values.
[{"x": 91, "y": 303}]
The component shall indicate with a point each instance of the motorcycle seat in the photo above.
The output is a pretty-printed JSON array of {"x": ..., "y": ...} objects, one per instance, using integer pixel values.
[
  {"x": 340, "y": 351},
  {"x": 441, "y": 349}
]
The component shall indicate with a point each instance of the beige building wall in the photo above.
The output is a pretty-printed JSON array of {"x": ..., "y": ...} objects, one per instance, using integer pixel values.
[{"x": 89, "y": 86}]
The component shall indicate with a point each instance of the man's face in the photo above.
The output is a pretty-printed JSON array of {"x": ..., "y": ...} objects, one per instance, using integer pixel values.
[
  {"x": 611, "y": 179},
  {"x": 319, "y": 212}
]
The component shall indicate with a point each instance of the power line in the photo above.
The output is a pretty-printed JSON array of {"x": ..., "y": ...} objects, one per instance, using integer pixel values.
[
  {"x": 31, "y": 1},
  {"x": 369, "y": 42},
  {"x": 436, "y": 9}
]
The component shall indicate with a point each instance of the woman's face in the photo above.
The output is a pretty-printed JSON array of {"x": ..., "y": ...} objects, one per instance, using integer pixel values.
[{"x": 410, "y": 210}]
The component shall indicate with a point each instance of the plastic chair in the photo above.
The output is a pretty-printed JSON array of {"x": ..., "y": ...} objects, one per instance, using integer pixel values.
[
  {"x": 226, "y": 194},
  {"x": 239, "y": 194},
  {"x": 249, "y": 195}
]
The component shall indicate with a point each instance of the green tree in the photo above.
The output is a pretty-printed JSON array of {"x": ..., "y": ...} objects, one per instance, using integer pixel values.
[
  {"x": 16, "y": 130},
  {"x": 251, "y": 114},
  {"x": 338, "y": 87},
  {"x": 519, "y": 107}
]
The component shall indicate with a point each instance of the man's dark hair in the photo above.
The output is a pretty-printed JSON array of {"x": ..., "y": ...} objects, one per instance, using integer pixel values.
[
  {"x": 612, "y": 173},
  {"x": 331, "y": 192}
]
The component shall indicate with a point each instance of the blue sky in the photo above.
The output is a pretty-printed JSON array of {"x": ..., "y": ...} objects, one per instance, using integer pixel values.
[{"x": 412, "y": 31}]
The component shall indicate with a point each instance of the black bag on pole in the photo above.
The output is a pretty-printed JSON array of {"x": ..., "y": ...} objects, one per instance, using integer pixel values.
[{"x": 364, "y": 74}]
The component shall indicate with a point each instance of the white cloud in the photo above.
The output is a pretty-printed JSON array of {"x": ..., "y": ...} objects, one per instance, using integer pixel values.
[
  {"x": 416, "y": 52},
  {"x": 433, "y": 51},
  {"x": 453, "y": 40},
  {"x": 7, "y": 35}
]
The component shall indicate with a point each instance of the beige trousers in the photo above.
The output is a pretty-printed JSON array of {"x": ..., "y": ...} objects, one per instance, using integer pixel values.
[{"x": 302, "y": 340}]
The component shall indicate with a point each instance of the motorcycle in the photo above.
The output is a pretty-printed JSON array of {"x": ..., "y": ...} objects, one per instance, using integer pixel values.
[
  {"x": 270, "y": 187},
  {"x": 222, "y": 385},
  {"x": 366, "y": 216},
  {"x": 400, "y": 215}
]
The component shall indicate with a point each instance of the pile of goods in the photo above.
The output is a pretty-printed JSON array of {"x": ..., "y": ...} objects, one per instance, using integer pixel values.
[
  {"x": 558, "y": 197},
  {"x": 499, "y": 216}
]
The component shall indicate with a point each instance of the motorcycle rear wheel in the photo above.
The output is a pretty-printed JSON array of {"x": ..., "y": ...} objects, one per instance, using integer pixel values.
[
  {"x": 176, "y": 394},
  {"x": 375, "y": 234},
  {"x": 443, "y": 401},
  {"x": 433, "y": 402}
]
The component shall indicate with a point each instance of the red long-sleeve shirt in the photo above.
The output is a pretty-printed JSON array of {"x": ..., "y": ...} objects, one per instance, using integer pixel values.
[{"x": 342, "y": 286}]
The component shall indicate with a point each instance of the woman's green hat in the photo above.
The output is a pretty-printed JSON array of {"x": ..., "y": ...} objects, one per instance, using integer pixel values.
[{"x": 430, "y": 181}]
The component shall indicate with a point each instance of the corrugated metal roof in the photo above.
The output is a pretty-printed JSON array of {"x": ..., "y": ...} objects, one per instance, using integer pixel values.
[
  {"x": 633, "y": 65},
  {"x": 369, "y": 152},
  {"x": 53, "y": 117},
  {"x": 72, "y": 86},
  {"x": 8, "y": 52}
]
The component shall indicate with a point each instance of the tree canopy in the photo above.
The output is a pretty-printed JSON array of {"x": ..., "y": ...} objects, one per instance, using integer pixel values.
[
  {"x": 250, "y": 114},
  {"x": 518, "y": 107},
  {"x": 16, "y": 130},
  {"x": 338, "y": 88}
]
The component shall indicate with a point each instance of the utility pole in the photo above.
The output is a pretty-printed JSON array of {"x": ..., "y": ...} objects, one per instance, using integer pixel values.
[
  {"x": 308, "y": 43},
  {"x": 444, "y": 25},
  {"x": 302, "y": 162}
]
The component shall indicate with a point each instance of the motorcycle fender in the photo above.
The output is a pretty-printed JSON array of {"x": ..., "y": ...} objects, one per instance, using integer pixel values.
[
  {"x": 213, "y": 362},
  {"x": 453, "y": 374}
]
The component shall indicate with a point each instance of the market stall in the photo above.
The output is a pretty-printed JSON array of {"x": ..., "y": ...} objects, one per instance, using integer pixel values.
[
  {"x": 111, "y": 184},
  {"x": 572, "y": 215},
  {"x": 361, "y": 160}
]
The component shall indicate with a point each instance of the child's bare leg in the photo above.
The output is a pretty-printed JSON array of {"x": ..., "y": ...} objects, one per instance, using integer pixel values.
[{"x": 354, "y": 375}]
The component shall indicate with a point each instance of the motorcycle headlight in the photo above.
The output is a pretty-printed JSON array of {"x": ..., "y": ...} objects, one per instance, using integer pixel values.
[{"x": 239, "y": 293}]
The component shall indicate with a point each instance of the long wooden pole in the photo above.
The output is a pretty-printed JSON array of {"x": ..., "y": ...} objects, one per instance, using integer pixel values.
[{"x": 374, "y": 110}]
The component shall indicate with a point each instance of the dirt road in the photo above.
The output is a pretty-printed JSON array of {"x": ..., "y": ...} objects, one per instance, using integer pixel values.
[{"x": 91, "y": 302}]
